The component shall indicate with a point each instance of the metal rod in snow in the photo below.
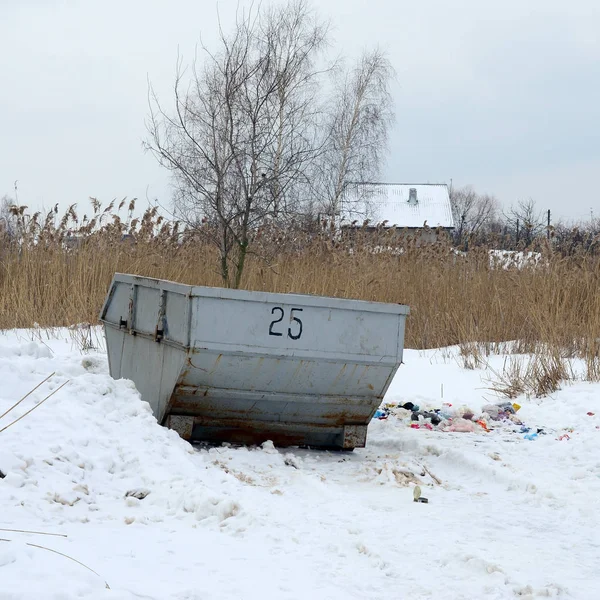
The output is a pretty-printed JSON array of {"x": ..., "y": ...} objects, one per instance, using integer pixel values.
[
  {"x": 33, "y": 532},
  {"x": 70, "y": 558},
  {"x": 62, "y": 554},
  {"x": 27, "y": 395},
  {"x": 36, "y": 406}
]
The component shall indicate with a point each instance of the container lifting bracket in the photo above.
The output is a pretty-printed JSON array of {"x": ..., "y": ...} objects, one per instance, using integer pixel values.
[
  {"x": 131, "y": 310},
  {"x": 159, "y": 332}
]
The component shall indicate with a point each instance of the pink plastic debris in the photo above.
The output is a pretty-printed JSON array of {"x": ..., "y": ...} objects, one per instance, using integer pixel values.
[{"x": 462, "y": 425}]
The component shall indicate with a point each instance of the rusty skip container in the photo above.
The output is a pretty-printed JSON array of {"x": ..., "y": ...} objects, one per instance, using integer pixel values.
[{"x": 245, "y": 367}]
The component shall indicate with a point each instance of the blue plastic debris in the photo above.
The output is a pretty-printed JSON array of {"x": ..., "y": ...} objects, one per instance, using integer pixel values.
[{"x": 531, "y": 436}]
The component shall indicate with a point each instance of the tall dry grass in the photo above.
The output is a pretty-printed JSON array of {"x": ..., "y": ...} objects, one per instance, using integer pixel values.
[{"x": 55, "y": 271}]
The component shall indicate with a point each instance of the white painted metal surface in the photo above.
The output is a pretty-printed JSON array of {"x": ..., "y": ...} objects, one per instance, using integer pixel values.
[{"x": 230, "y": 365}]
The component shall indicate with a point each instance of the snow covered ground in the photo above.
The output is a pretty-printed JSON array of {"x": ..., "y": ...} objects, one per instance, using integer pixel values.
[{"x": 507, "y": 517}]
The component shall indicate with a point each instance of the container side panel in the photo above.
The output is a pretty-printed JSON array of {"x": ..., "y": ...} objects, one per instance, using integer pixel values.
[
  {"x": 142, "y": 364},
  {"x": 288, "y": 375},
  {"x": 401, "y": 332},
  {"x": 114, "y": 349},
  {"x": 154, "y": 368},
  {"x": 146, "y": 309},
  {"x": 270, "y": 408},
  {"x": 173, "y": 361},
  {"x": 118, "y": 306},
  {"x": 176, "y": 321},
  {"x": 273, "y": 327}
]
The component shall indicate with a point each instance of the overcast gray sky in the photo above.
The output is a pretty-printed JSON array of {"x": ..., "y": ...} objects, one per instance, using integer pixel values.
[{"x": 501, "y": 95}]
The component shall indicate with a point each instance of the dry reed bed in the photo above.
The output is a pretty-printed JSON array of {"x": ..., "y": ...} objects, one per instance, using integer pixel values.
[{"x": 57, "y": 272}]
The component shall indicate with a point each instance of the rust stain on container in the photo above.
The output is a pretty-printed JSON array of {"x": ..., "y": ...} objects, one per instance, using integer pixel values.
[
  {"x": 363, "y": 374},
  {"x": 297, "y": 371},
  {"x": 339, "y": 375},
  {"x": 216, "y": 365}
]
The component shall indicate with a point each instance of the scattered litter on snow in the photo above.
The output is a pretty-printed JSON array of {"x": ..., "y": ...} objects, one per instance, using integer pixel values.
[
  {"x": 158, "y": 518},
  {"x": 500, "y": 416}
]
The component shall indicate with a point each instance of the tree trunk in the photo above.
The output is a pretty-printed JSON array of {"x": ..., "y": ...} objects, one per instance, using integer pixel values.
[{"x": 243, "y": 250}]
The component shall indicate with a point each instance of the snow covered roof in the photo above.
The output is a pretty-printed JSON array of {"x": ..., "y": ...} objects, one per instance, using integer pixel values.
[{"x": 400, "y": 204}]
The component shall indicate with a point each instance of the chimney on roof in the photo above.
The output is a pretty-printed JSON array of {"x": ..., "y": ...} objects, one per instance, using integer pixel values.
[{"x": 412, "y": 196}]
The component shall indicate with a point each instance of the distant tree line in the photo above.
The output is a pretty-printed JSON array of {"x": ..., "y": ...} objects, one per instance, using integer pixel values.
[{"x": 480, "y": 221}]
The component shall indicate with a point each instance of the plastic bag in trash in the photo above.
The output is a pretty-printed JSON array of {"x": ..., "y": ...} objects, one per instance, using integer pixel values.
[{"x": 462, "y": 425}]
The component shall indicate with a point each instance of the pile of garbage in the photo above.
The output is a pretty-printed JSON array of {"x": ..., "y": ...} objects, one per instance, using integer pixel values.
[{"x": 461, "y": 419}]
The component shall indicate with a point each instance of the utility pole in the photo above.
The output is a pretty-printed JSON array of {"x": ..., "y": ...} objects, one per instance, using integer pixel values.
[{"x": 548, "y": 229}]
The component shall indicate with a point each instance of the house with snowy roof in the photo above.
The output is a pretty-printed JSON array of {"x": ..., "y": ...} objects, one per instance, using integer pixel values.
[{"x": 421, "y": 209}]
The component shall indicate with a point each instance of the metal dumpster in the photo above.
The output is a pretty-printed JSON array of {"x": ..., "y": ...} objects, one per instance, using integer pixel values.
[{"x": 245, "y": 367}]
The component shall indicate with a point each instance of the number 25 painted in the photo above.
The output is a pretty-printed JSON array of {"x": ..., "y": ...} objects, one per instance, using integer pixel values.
[{"x": 281, "y": 312}]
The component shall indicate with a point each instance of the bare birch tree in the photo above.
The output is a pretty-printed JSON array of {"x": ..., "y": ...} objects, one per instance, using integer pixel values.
[
  {"x": 525, "y": 222},
  {"x": 359, "y": 119},
  {"x": 254, "y": 137},
  {"x": 473, "y": 213},
  {"x": 244, "y": 133}
]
